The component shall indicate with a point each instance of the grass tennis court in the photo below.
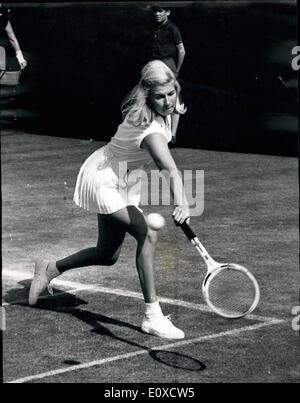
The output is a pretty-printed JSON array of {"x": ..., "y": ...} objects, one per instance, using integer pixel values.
[{"x": 89, "y": 330}]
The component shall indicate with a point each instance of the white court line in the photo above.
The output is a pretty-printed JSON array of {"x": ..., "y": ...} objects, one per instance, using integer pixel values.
[
  {"x": 103, "y": 361},
  {"x": 75, "y": 286},
  {"x": 265, "y": 321}
]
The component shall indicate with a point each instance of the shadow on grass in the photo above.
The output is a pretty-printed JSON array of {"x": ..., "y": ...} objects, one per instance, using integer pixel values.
[{"x": 64, "y": 302}]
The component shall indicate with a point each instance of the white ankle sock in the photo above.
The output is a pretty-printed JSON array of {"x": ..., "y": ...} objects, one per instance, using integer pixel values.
[{"x": 152, "y": 310}]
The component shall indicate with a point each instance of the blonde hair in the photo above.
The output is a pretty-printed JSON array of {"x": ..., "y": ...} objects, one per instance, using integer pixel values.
[{"x": 136, "y": 105}]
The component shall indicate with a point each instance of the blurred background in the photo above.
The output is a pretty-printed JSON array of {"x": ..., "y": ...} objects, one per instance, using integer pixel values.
[{"x": 83, "y": 58}]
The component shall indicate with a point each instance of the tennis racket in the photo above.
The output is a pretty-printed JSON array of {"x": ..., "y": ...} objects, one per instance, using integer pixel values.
[{"x": 229, "y": 289}]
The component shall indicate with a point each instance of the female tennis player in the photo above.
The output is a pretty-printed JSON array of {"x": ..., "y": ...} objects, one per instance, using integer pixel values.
[{"x": 142, "y": 137}]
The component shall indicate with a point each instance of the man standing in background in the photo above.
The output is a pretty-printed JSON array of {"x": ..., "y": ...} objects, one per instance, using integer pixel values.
[
  {"x": 168, "y": 47},
  {"x": 167, "y": 41}
]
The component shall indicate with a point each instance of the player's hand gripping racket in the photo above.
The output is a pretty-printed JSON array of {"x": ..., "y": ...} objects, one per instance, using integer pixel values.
[{"x": 229, "y": 289}]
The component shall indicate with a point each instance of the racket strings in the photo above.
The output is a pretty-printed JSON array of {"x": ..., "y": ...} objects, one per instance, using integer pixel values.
[{"x": 231, "y": 292}]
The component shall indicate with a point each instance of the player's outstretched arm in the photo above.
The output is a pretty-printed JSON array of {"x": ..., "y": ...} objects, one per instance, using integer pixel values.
[{"x": 157, "y": 146}]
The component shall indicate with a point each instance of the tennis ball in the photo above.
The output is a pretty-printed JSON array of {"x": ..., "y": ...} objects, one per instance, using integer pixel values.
[{"x": 155, "y": 221}]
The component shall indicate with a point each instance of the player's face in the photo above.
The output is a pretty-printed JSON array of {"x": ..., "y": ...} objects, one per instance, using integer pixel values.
[
  {"x": 163, "y": 99},
  {"x": 161, "y": 15}
]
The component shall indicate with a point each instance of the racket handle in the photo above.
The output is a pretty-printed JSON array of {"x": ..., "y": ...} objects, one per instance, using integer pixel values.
[{"x": 188, "y": 231}]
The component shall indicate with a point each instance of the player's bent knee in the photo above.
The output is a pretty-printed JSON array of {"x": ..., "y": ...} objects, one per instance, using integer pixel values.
[
  {"x": 152, "y": 236},
  {"x": 107, "y": 260},
  {"x": 111, "y": 261}
]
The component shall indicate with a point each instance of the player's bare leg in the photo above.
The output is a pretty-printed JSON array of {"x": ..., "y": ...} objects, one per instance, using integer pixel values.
[{"x": 154, "y": 322}]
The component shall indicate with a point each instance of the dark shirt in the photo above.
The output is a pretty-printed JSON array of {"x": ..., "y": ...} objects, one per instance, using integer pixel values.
[
  {"x": 165, "y": 38},
  {"x": 3, "y": 24}
]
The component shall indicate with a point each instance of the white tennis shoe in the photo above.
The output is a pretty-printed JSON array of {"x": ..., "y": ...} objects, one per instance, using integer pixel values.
[
  {"x": 161, "y": 326},
  {"x": 41, "y": 280}
]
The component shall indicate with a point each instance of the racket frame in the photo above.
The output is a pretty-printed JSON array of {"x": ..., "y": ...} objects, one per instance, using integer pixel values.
[
  {"x": 230, "y": 266},
  {"x": 213, "y": 268}
]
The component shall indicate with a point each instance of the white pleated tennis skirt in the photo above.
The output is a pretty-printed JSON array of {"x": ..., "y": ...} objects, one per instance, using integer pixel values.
[{"x": 99, "y": 189}]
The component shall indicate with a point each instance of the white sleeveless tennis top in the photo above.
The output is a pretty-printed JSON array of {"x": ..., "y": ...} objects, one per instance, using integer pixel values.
[
  {"x": 126, "y": 143},
  {"x": 99, "y": 186}
]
